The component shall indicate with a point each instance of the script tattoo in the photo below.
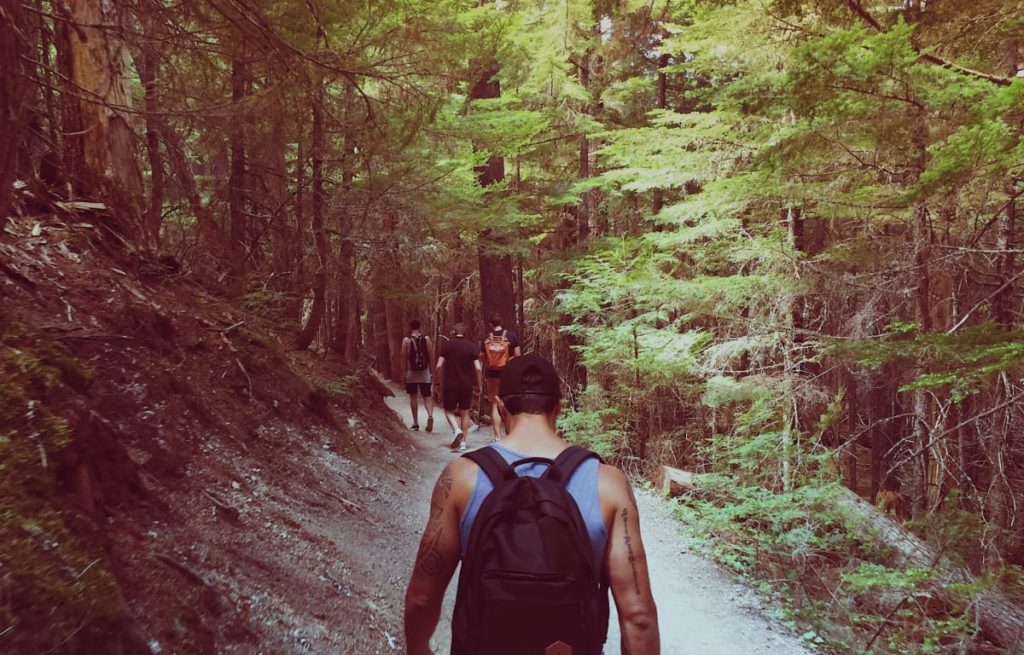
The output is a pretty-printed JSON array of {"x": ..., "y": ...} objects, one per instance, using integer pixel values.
[
  {"x": 629, "y": 550},
  {"x": 429, "y": 561}
]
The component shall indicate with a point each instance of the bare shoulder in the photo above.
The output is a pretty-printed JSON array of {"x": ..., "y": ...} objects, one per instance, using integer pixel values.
[
  {"x": 459, "y": 476},
  {"x": 614, "y": 490}
]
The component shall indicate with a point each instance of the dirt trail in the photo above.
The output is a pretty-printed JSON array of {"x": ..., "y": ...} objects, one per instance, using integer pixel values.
[{"x": 701, "y": 609}]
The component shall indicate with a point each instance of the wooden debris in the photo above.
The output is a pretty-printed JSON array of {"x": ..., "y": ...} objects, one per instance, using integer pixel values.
[
  {"x": 81, "y": 205},
  {"x": 378, "y": 382},
  {"x": 224, "y": 509},
  {"x": 673, "y": 482}
]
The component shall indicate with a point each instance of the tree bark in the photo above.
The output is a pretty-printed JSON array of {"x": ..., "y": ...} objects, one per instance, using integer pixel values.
[
  {"x": 497, "y": 292},
  {"x": 148, "y": 74},
  {"x": 924, "y": 498},
  {"x": 11, "y": 94},
  {"x": 394, "y": 331},
  {"x": 282, "y": 237},
  {"x": 345, "y": 314},
  {"x": 662, "y": 103},
  {"x": 210, "y": 234},
  {"x": 1002, "y": 302},
  {"x": 319, "y": 308},
  {"x": 585, "y": 211},
  {"x": 236, "y": 182},
  {"x": 99, "y": 146}
]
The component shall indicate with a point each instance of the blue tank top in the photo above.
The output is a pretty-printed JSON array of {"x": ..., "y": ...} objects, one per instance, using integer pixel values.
[{"x": 582, "y": 487}]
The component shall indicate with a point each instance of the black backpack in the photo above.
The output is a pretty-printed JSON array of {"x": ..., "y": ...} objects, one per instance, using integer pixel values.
[
  {"x": 529, "y": 579},
  {"x": 418, "y": 360}
]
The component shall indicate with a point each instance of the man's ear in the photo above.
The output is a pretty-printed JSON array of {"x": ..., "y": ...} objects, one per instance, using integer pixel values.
[{"x": 555, "y": 412}]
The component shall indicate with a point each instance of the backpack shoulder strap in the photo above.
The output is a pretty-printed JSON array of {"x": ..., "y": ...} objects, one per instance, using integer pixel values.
[
  {"x": 566, "y": 464},
  {"x": 492, "y": 464}
]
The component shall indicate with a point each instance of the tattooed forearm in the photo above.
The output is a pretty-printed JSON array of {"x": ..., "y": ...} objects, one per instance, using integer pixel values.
[
  {"x": 440, "y": 496},
  {"x": 629, "y": 549},
  {"x": 429, "y": 559}
]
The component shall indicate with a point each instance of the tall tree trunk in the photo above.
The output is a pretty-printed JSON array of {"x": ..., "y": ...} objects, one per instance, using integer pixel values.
[
  {"x": 1002, "y": 302},
  {"x": 497, "y": 293},
  {"x": 148, "y": 74},
  {"x": 377, "y": 330},
  {"x": 923, "y": 494},
  {"x": 100, "y": 157},
  {"x": 210, "y": 234},
  {"x": 281, "y": 233},
  {"x": 346, "y": 315},
  {"x": 852, "y": 423},
  {"x": 395, "y": 329},
  {"x": 300, "y": 235},
  {"x": 237, "y": 182},
  {"x": 12, "y": 83},
  {"x": 662, "y": 103},
  {"x": 319, "y": 308},
  {"x": 47, "y": 79},
  {"x": 585, "y": 211}
]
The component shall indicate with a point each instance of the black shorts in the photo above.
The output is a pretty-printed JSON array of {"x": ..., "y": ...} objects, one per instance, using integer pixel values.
[
  {"x": 457, "y": 398},
  {"x": 494, "y": 374},
  {"x": 422, "y": 387}
]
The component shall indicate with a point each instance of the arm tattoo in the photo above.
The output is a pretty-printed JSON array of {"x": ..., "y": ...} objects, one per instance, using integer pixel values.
[
  {"x": 629, "y": 549},
  {"x": 429, "y": 560}
]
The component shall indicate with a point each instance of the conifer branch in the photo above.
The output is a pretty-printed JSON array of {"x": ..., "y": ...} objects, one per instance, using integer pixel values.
[{"x": 856, "y": 8}]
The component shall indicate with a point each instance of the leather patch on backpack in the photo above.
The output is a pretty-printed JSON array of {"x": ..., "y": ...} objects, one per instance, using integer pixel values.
[{"x": 558, "y": 648}]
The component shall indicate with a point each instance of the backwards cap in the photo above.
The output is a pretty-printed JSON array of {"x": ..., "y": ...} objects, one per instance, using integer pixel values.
[{"x": 529, "y": 374}]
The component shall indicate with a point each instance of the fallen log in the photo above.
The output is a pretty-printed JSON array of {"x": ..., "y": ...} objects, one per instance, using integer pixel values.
[{"x": 1001, "y": 621}]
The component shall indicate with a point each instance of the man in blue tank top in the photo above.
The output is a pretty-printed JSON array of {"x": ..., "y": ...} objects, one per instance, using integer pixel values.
[{"x": 529, "y": 395}]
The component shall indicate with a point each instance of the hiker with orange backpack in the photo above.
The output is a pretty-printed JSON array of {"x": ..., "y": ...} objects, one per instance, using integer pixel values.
[
  {"x": 497, "y": 349},
  {"x": 543, "y": 530}
]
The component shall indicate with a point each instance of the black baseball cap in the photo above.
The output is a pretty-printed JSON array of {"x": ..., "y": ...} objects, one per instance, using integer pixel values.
[{"x": 529, "y": 374}]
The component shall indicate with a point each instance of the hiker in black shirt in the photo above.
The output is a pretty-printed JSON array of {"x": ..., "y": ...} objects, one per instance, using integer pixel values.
[
  {"x": 458, "y": 373},
  {"x": 498, "y": 347}
]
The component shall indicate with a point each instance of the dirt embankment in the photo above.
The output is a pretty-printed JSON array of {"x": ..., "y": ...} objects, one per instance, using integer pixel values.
[{"x": 176, "y": 479}]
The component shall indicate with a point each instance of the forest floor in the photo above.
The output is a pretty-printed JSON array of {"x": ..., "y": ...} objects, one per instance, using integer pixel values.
[{"x": 702, "y": 609}]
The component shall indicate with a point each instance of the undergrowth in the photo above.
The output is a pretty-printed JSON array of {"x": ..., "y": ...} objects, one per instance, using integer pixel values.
[
  {"x": 835, "y": 587},
  {"x": 56, "y": 594}
]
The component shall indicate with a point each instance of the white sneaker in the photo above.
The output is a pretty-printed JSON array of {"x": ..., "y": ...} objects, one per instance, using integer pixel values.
[
  {"x": 462, "y": 446},
  {"x": 458, "y": 441}
]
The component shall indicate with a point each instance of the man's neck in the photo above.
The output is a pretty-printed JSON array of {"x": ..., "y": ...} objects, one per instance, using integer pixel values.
[
  {"x": 416, "y": 333},
  {"x": 533, "y": 434}
]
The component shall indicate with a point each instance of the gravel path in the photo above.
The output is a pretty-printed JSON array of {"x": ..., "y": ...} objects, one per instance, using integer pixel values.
[{"x": 701, "y": 609}]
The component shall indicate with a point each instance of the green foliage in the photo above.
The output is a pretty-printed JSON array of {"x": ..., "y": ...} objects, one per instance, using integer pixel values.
[
  {"x": 965, "y": 362},
  {"x": 594, "y": 424},
  {"x": 50, "y": 562},
  {"x": 344, "y": 386}
]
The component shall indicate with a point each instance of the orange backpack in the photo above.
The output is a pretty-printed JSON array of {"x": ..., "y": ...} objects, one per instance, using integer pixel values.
[{"x": 498, "y": 350}]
